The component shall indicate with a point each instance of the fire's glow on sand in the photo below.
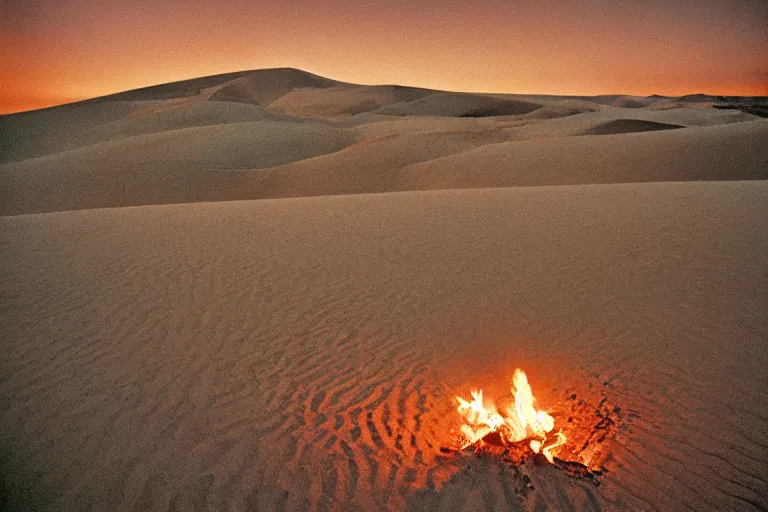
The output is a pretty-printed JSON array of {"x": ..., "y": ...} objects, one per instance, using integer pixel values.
[{"x": 514, "y": 419}]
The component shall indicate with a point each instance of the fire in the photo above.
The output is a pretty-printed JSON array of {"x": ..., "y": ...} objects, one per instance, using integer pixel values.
[{"x": 516, "y": 421}]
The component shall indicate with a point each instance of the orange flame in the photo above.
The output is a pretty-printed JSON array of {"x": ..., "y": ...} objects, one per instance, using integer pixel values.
[{"x": 517, "y": 421}]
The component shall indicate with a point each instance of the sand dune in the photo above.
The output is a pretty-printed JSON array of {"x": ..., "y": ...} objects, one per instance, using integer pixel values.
[
  {"x": 171, "y": 166},
  {"x": 194, "y": 103},
  {"x": 235, "y": 145},
  {"x": 250, "y": 161},
  {"x": 725, "y": 152},
  {"x": 40, "y": 132},
  {"x": 304, "y": 353},
  {"x": 136, "y": 118},
  {"x": 370, "y": 166},
  {"x": 174, "y": 105}
]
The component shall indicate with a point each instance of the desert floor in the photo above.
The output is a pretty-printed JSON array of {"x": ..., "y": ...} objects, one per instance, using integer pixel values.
[{"x": 263, "y": 291}]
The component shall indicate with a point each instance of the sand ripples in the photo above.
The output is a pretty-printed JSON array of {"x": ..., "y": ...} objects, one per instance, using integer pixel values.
[{"x": 302, "y": 354}]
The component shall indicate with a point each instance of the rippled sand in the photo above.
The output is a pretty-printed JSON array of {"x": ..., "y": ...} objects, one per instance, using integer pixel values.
[{"x": 304, "y": 353}]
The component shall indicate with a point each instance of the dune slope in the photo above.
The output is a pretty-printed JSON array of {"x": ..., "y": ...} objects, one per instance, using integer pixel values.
[
  {"x": 304, "y": 353},
  {"x": 460, "y": 105},
  {"x": 347, "y": 100},
  {"x": 189, "y": 164},
  {"x": 39, "y": 137},
  {"x": 723, "y": 152},
  {"x": 234, "y": 161},
  {"x": 287, "y": 133}
]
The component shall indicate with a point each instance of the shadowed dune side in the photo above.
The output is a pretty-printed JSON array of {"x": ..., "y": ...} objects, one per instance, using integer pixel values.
[
  {"x": 40, "y": 132},
  {"x": 78, "y": 187},
  {"x": 238, "y": 145},
  {"x": 263, "y": 87},
  {"x": 47, "y": 135},
  {"x": 186, "y": 115},
  {"x": 390, "y": 126},
  {"x": 629, "y": 126},
  {"x": 345, "y": 101},
  {"x": 460, "y": 105},
  {"x": 171, "y": 166},
  {"x": 304, "y": 354}
]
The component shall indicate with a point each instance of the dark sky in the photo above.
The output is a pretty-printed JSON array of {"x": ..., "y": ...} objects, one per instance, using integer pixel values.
[{"x": 54, "y": 51}]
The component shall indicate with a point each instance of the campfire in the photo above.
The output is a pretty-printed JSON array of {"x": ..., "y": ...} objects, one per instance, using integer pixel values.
[
  {"x": 515, "y": 429},
  {"x": 514, "y": 420}
]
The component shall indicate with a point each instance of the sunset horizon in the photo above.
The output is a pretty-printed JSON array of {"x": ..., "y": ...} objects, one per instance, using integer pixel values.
[
  {"x": 12, "y": 105},
  {"x": 54, "y": 52}
]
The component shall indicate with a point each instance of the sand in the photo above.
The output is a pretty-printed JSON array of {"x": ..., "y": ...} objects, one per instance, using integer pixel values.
[{"x": 303, "y": 353}]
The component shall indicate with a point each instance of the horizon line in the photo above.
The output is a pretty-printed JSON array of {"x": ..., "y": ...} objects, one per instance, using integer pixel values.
[{"x": 75, "y": 101}]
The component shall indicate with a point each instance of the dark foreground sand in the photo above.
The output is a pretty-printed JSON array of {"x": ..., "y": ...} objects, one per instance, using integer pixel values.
[{"x": 304, "y": 353}]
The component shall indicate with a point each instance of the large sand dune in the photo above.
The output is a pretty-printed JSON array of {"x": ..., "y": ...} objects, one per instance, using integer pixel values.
[
  {"x": 304, "y": 353},
  {"x": 264, "y": 159},
  {"x": 287, "y": 133}
]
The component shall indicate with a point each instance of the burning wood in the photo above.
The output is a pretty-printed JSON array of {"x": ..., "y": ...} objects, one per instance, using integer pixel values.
[
  {"x": 517, "y": 421},
  {"x": 516, "y": 431}
]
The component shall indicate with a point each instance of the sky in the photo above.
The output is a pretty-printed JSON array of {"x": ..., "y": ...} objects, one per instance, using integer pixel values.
[{"x": 57, "y": 51}]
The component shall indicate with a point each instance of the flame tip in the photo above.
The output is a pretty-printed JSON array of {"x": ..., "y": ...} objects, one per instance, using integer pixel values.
[{"x": 521, "y": 421}]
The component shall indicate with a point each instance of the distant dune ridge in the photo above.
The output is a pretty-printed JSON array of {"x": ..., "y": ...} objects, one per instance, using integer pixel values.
[
  {"x": 287, "y": 133},
  {"x": 348, "y": 259}
]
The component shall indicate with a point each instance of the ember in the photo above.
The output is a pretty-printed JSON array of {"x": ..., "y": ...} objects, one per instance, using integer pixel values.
[{"x": 514, "y": 421}]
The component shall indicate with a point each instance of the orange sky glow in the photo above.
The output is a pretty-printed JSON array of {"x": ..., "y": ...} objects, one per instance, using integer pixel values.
[{"x": 53, "y": 52}]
